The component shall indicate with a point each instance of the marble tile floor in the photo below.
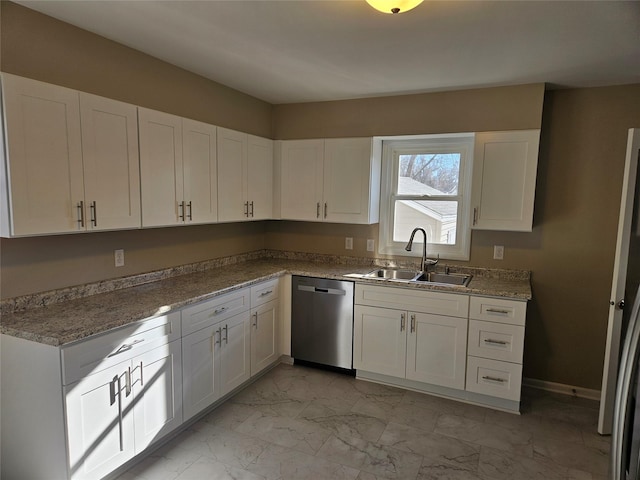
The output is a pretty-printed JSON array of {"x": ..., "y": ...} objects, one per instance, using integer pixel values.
[{"x": 302, "y": 423}]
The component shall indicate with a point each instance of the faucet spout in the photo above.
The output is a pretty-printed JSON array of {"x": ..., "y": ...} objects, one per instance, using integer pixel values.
[{"x": 423, "y": 262}]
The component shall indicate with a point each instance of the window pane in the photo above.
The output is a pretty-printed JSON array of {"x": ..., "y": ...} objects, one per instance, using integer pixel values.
[
  {"x": 438, "y": 218},
  {"x": 429, "y": 174}
]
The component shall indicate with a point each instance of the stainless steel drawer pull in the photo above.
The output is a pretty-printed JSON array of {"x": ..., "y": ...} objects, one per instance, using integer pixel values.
[
  {"x": 127, "y": 380},
  {"x": 226, "y": 335},
  {"x": 112, "y": 390},
  {"x": 218, "y": 311},
  {"x": 94, "y": 213},
  {"x": 141, "y": 372},
  {"x": 125, "y": 347},
  {"x": 325, "y": 210},
  {"x": 413, "y": 323},
  {"x": 402, "y": 322},
  {"x": 251, "y": 213},
  {"x": 190, "y": 215},
  {"x": 181, "y": 214},
  {"x": 494, "y": 379},
  {"x": 318, "y": 210},
  {"x": 495, "y": 342},
  {"x": 255, "y": 318},
  {"x": 268, "y": 292},
  {"x": 246, "y": 209},
  {"x": 496, "y": 310}
]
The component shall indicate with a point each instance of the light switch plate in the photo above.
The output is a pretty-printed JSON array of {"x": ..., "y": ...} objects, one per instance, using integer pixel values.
[
  {"x": 119, "y": 257},
  {"x": 370, "y": 244},
  {"x": 498, "y": 252},
  {"x": 348, "y": 243}
]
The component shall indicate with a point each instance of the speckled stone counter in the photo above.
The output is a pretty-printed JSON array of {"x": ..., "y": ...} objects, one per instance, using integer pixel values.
[{"x": 67, "y": 316}]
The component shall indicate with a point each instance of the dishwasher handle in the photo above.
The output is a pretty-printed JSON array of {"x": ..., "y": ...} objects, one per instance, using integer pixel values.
[{"x": 329, "y": 291}]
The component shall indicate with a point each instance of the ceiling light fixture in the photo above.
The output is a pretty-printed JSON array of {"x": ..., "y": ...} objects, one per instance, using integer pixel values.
[{"x": 394, "y": 6}]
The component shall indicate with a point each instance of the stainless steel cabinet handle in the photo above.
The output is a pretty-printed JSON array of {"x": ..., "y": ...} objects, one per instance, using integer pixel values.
[
  {"x": 268, "y": 292},
  {"x": 226, "y": 335},
  {"x": 251, "y": 213},
  {"x": 497, "y": 310},
  {"x": 255, "y": 320},
  {"x": 181, "y": 214},
  {"x": 218, "y": 311},
  {"x": 127, "y": 380},
  {"x": 495, "y": 342},
  {"x": 475, "y": 215},
  {"x": 94, "y": 213},
  {"x": 494, "y": 379},
  {"x": 413, "y": 323},
  {"x": 112, "y": 390},
  {"x": 80, "y": 208},
  {"x": 325, "y": 210},
  {"x": 190, "y": 211},
  {"x": 141, "y": 374},
  {"x": 402, "y": 322},
  {"x": 219, "y": 340},
  {"x": 318, "y": 210},
  {"x": 120, "y": 413},
  {"x": 125, "y": 347},
  {"x": 246, "y": 209}
]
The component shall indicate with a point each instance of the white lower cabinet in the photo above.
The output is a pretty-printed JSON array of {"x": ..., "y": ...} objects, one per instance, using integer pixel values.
[{"x": 416, "y": 345}]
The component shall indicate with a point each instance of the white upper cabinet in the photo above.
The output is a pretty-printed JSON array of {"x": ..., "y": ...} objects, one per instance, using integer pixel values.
[
  {"x": 72, "y": 160},
  {"x": 44, "y": 159},
  {"x": 245, "y": 178},
  {"x": 504, "y": 180},
  {"x": 177, "y": 169},
  {"x": 111, "y": 163},
  {"x": 333, "y": 180}
]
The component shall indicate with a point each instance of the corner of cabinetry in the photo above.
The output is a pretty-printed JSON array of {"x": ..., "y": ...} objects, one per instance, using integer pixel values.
[{"x": 277, "y": 181}]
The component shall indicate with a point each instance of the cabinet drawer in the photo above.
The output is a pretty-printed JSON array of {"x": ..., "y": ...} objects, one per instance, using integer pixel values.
[
  {"x": 103, "y": 351},
  {"x": 498, "y": 310},
  {"x": 498, "y": 341},
  {"x": 205, "y": 314},
  {"x": 264, "y": 292},
  {"x": 494, "y": 378},
  {"x": 412, "y": 299}
]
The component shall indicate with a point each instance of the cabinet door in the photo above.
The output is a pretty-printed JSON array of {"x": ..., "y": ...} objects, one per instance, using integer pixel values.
[
  {"x": 236, "y": 352},
  {"x": 265, "y": 333},
  {"x": 232, "y": 175},
  {"x": 301, "y": 179},
  {"x": 380, "y": 340},
  {"x": 111, "y": 163},
  {"x": 347, "y": 165},
  {"x": 504, "y": 180},
  {"x": 260, "y": 177},
  {"x": 156, "y": 378},
  {"x": 44, "y": 157},
  {"x": 200, "y": 168},
  {"x": 99, "y": 425},
  {"x": 437, "y": 349},
  {"x": 200, "y": 370},
  {"x": 161, "y": 168}
]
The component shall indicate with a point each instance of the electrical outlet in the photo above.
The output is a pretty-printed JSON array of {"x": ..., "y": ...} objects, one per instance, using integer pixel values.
[
  {"x": 370, "y": 244},
  {"x": 119, "y": 258},
  {"x": 498, "y": 252},
  {"x": 348, "y": 243}
]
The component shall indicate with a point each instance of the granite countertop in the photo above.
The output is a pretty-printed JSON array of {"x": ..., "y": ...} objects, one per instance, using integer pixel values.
[{"x": 64, "y": 321}]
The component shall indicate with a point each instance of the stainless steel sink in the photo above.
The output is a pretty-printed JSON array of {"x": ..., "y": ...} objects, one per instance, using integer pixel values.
[
  {"x": 393, "y": 274},
  {"x": 445, "y": 278},
  {"x": 412, "y": 276}
]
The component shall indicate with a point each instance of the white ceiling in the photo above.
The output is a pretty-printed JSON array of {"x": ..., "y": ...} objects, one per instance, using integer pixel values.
[{"x": 309, "y": 50}]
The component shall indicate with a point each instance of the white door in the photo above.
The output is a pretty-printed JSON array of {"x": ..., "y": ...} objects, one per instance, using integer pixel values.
[
  {"x": 232, "y": 176},
  {"x": 111, "y": 163},
  {"x": 437, "y": 349},
  {"x": 44, "y": 157},
  {"x": 301, "y": 177},
  {"x": 264, "y": 336},
  {"x": 161, "y": 168},
  {"x": 380, "y": 340},
  {"x": 504, "y": 180},
  {"x": 200, "y": 370},
  {"x": 235, "y": 364},
  {"x": 618, "y": 286},
  {"x": 156, "y": 378},
  {"x": 99, "y": 423},
  {"x": 346, "y": 180},
  {"x": 260, "y": 178},
  {"x": 200, "y": 169}
]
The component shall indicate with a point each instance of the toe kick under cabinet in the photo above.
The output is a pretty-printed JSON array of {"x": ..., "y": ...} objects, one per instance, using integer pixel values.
[{"x": 449, "y": 344}]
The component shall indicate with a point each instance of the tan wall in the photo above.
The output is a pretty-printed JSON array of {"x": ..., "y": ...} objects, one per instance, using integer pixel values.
[{"x": 40, "y": 47}]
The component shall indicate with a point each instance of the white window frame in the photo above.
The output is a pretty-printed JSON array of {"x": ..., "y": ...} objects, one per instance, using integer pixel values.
[{"x": 392, "y": 147}]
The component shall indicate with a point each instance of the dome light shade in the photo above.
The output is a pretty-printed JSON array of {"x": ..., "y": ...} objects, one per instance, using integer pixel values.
[{"x": 394, "y": 6}]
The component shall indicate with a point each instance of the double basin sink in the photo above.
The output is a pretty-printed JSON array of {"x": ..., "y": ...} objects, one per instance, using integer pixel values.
[{"x": 413, "y": 276}]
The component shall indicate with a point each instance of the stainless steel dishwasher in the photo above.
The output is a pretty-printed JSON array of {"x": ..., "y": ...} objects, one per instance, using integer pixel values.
[{"x": 322, "y": 321}]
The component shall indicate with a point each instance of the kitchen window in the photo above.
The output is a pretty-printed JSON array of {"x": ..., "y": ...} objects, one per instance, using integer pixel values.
[{"x": 426, "y": 182}]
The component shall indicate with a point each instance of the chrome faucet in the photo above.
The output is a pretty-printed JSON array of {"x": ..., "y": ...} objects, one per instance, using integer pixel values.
[{"x": 423, "y": 262}]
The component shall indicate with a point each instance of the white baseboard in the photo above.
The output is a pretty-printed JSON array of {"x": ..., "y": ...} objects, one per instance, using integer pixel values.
[{"x": 562, "y": 388}]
